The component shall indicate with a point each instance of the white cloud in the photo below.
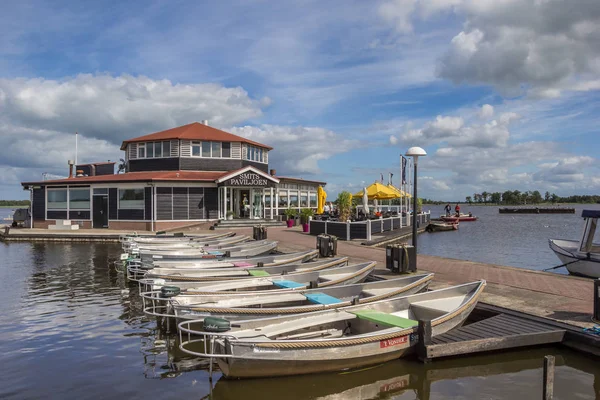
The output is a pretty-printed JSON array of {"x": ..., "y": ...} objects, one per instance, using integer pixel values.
[
  {"x": 297, "y": 149},
  {"x": 113, "y": 108},
  {"x": 393, "y": 140},
  {"x": 486, "y": 111}
]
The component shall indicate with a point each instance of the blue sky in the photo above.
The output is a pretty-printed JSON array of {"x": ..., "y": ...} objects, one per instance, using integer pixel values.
[{"x": 502, "y": 94}]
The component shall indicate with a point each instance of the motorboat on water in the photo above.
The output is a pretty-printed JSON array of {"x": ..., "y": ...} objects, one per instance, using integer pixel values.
[
  {"x": 458, "y": 218},
  {"x": 348, "y": 337},
  {"x": 442, "y": 226},
  {"x": 581, "y": 257}
]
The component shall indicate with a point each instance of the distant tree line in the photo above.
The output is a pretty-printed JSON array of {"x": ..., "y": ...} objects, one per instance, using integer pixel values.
[
  {"x": 516, "y": 197},
  {"x": 10, "y": 203}
]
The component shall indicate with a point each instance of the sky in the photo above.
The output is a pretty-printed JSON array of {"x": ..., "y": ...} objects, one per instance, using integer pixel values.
[{"x": 502, "y": 94}]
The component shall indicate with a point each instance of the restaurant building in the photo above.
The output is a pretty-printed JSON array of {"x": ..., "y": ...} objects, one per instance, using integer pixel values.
[{"x": 178, "y": 177}]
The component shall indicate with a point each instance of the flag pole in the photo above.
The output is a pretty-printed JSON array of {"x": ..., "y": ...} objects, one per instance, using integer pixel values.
[{"x": 76, "y": 135}]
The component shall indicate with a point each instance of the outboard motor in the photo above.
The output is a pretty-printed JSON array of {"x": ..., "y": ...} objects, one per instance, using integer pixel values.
[
  {"x": 214, "y": 324},
  {"x": 169, "y": 291}
]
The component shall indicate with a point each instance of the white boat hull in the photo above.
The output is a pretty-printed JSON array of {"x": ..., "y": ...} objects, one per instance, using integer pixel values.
[{"x": 576, "y": 263}]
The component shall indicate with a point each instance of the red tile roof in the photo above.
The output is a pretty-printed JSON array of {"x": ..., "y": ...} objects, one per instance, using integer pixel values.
[
  {"x": 194, "y": 131},
  {"x": 206, "y": 176}
]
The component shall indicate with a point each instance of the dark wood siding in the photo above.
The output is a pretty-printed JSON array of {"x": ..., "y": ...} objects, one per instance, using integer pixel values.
[
  {"x": 317, "y": 227},
  {"x": 154, "y": 164},
  {"x": 135, "y": 214},
  {"x": 375, "y": 226},
  {"x": 79, "y": 215},
  {"x": 164, "y": 203},
  {"x": 211, "y": 203},
  {"x": 387, "y": 224},
  {"x": 39, "y": 204},
  {"x": 112, "y": 203},
  {"x": 260, "y": 166},
  {"x": 337, "y": 229},
  {"x": 148, "y": 203},
  {"x": 180, "y": 203},
  {"x": 396, "y": 222},
  {"x": 105, "y": 169},
  {"x": 196, "y": 203},
  {"x": 209, "y": 164},
  {"x": 57, "y": 214}
]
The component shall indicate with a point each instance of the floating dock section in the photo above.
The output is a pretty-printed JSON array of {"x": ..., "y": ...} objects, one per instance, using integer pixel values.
[{"x": 537, "y": 210}]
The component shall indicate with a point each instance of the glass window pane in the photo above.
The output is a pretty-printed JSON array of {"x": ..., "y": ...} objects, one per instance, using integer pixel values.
[
  {"x": 57, "y": 199},
  {"x": 303, "y": 200},
  {"x": 166, "y": 149},
  {"x": 293, "y": 199},
  {"x": 283, "y": 199},
  {"x": 205, "y": 149},
  {"x": 196, "y": 150},
  {"x": 101, "y": 191},
  {"x": 267, "y": 200},
  {"x": 79, "y": 199},
  {"x": 141, "y": 151},
  {"x": 131, "y": 198},
  {"x": 313, "y": 199},
  {"x": 149, "y": 150},
  {"x": 260, "y": 155},
  {"x": 216, "y": 149},
  {"x": 226, "y": 150},
  {"x": 157, "y": 149}
]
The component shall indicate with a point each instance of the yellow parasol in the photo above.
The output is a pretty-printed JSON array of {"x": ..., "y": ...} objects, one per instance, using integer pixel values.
[
  {"x": 321, "y": 196},
  {"x": 401, "y": 193},
  {"x": 379, "y": 191}
]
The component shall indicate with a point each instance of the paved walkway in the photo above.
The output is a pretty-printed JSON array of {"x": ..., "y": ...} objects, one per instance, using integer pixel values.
[{"x": 564, "y": 298}]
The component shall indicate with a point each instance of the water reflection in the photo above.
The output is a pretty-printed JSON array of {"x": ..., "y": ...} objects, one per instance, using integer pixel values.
[{"x": 72, "y": 326}]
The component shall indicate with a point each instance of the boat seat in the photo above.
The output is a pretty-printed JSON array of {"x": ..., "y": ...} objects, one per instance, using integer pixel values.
[
  {"x": 321, "y": 298},
  {"x": 242, "y": 264},
  {"x": 385, "y": 318},
  {"x": 258, "y": 272},
  {"x": 288, "y": 284},
  {"x": 425, "y": 313}
]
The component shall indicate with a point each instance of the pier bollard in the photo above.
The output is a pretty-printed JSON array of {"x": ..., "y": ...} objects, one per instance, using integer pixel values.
[
  {"x": 424, "y": 336},
  {"x": 596, "y": 317},
  {"x": 548, "y": 393}
]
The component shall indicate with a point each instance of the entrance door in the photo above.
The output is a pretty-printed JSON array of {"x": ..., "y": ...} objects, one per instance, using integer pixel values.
[
  {"x": 100, "y": 217},
  {"x": 244, "y": 203},
  {"x": 257, "y": 206}
]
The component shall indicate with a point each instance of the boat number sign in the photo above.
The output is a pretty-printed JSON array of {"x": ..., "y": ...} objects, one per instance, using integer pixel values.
[
  {"x": 248, "y": 179},
  {"x": 393, "y": 342}
]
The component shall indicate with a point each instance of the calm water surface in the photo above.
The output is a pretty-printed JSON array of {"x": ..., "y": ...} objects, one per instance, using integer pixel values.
[
  {"x": 72, "y": 328},
  {"x": 504, "y": 239}
]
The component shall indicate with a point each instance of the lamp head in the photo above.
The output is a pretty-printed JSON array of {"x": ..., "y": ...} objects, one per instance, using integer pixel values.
[{"x": 415, "y": 152}]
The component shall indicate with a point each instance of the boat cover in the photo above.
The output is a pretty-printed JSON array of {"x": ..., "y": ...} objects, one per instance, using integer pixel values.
[
  {"x": 590, "y": 213},
  {"x": 385, "y": 318},
  {"x": 288, "y": 284},
  {"x": 258, "y": 272},
  {"x": 321, "y": 298}
]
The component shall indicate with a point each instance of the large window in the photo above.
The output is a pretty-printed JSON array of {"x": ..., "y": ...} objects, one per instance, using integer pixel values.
[
  {"x": 157, "y": 149},
  {"x": 142, "y": 150},
  {"x": 206, "y": 149},
  {"x": 313, "y": 199},
  {"x": 303, "y": 199},
  {"x": 79, "y": 199},
  {"x": 294, "y": 199},
  {"x": 254, "y": 153},
  {"x": 196, "y": 149},
  {"x": 283, "y": 199},
  {"x": 216, "y": 149},
  {"x": 57, "y": 199},
  {"x": 131, "y": 198},
  {"x": 226, "y": 150},
  {"x": 211, "y": 149}
]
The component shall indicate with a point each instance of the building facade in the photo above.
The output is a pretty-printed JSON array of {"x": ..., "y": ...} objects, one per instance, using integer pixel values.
[{"x": 182, "y": 176}]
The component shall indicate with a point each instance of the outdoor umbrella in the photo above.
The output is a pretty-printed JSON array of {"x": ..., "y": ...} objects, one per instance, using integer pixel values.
[
  {"x": 378, "y": 191},
  {"x": 365, "y": 202}
]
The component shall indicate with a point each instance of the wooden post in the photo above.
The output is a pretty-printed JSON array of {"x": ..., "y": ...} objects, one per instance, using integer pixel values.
[
  {"x": 548, "y": 378},
  {"x": 424, "y": 334}
]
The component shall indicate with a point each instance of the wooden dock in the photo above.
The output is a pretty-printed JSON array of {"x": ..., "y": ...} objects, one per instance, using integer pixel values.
[{"x": 500, "y": 332}]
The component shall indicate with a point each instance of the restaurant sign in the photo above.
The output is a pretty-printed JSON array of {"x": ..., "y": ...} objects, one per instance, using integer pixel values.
[{"x": 249, "y": 179}]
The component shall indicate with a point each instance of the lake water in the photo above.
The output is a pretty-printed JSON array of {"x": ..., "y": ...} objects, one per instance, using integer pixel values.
[
  {"x": 504, "y": 239},
  {"x": 71, "y": 327}
]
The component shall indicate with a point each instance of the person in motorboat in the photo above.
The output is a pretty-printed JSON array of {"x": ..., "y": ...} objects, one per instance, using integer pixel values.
[
  {"x": 457, "y": 210},
  {"x": 448, "y": 208}
]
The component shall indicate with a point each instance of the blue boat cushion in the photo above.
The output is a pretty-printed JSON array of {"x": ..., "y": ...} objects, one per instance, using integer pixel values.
[
  {"x": 385, "y": 318},
  {"x": 321, "y": 298},
  {"x": 216, "y": 253},
  {"x": 288, "y": 284}
]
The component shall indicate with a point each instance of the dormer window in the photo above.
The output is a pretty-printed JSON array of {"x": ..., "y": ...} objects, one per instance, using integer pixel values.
[
  {"x": 210, "y": 149},
  {"x": 256, "y": 154}
]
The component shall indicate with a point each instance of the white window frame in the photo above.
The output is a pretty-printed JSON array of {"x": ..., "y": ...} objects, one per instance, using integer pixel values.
[
  {"x": 57, "y": 209},
  {"x": 141, "y": 146}
]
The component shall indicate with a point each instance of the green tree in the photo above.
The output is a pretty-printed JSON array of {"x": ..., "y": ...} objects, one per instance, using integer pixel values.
[
  {"x": 536, "y": 197},
  {"x": 547, "y": 196},
  {"x": 484, "y": 196},
  {"x": 553, "y": 198},
  {"x": 496, "y": 197},
  {"x": 469, "y": 199}
]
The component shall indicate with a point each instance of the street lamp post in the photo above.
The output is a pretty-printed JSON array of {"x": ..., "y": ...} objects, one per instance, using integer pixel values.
[{"x": 415, "y": 153}]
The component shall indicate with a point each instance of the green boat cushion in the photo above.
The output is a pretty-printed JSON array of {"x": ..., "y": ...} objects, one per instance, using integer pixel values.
[
  {"x": 321, "y": 298},
  {"x": 288, "y": 284},
  {"x": 385, "y": 318},
  {"x": 258, "y": 272}
]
